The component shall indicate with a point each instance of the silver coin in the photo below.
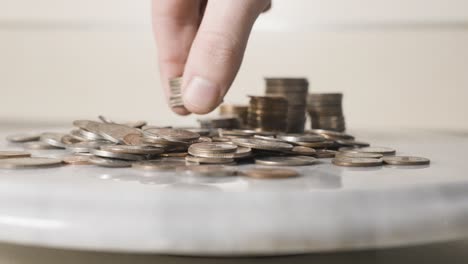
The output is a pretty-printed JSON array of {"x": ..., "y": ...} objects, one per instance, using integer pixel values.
[
  {"x": 86, "y": 146},
  {"x": 406, "y": 160},
  {"x": 137, "y": 150},
  {"x": 301, "y": 138},
  {"x": 89, "y": 135},
  {"x": 39, "y": 145},
  {"x": 112, "y": 155},
  {"x": 359, "y": 155},
  {"x": 255, "y": 143},
  {"x": 212, "y": 147},
  {"x": 356, "y": 162},
  {"x": 352, "y": 143},
  {"x": 160, "y": 165},
  {"x": 378, "y": 150},
  {"x": 53, "y": 139},
  {"x": 22, "y": 138},
  {"x": 116, "y": 133},
  {"x": 173, "y": 134},
  {"x": 286, "y": 161},
  {"x": 7, "y": 154},
  {"x": 109, "y": 163},
  {"x": 325, "y": 153},
  {"x": 240, "y": 153},
  {"x": 236, "y": 132},
  {"x": 329, "y": 134},
  {"x": 204, "y": 160},
  {"x": 25, "y": 163}
]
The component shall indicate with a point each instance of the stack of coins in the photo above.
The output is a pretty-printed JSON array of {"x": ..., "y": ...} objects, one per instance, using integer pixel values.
[
  {"x": 216, "y": 153},
  {"x": 175, "y": 100},
  {"x": 241, "y": 111},
  {"x": 295, "y": 91},
  {"x": 268, "y": 113},
  {"x": 326, "y": 111}
]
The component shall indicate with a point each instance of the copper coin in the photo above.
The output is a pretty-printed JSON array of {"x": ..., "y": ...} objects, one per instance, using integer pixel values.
[{"x": 77, "y": 160}]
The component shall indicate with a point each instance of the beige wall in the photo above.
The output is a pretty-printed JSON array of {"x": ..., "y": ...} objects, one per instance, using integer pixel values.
[{"x": 401, "y": 64}]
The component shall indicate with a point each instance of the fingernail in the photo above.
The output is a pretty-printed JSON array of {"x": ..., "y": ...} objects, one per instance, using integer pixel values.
[{"x": 201, "y": 95}]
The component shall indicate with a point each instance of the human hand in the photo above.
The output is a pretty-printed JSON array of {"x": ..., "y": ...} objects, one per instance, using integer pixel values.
[{"x": 205, "y": 42}]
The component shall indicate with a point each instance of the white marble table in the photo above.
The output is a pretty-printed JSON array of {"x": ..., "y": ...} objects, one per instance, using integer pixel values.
[{"x": 328, "y": 209}]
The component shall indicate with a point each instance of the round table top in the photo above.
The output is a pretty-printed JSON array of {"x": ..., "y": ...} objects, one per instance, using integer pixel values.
[{"x": 328, "y": 208}]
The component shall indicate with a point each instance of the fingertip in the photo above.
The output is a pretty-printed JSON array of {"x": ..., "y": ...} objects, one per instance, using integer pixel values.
[
  {"x": 201, "y": 96},
  {"x": 180, "y": 110}
]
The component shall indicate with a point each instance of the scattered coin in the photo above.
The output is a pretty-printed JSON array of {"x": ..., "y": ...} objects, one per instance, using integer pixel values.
[
  {"x": 77, "y": 160},
  {"x": 301, "y": 150},
  {"x": 112, "y": 155},
  {"x": 14, "y": 154},
  {"x": 172, "y": 134},
  {"x": 378, "y": 150},
  {"x": 22, "y": 138},
  {"x": 203, "y": 160},
  {"x": 325, "y": 153},
  {"x": 301, "y": 138},
  {"x": 212, "y": 147},
  {"x": 137, "y": 150},
  {"x": 276, "y": 173},
  {"x": 286, "y": 161},
  {"x": 356, "y": 162},
  {"x": 25, "y": 163},
  {"x": 359, "y": 155},
  {"x": 53, "y": 139},
  {"x": 109, "y": 163},
  {"x": 86, "y": 146},
  {"x": 254, "y": 143},
  {"x": 212, "y": 171},
  {"x": 160, "y": 165},
  {"x": 406, "y": 160},
  {"x": 39, "y": 145},
  {"x": 115, "y": 132}
]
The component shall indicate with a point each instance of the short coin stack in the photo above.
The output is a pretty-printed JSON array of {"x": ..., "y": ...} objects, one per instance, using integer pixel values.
[
  {"x": 295, "y": 91},
  {"x": 241, "y": 111},
  {"x": 216, "y": 153},
  {"x": 175, "y": 99},
  {"x": 326, "y": 111},
  {"x": 268, "y": 113}
]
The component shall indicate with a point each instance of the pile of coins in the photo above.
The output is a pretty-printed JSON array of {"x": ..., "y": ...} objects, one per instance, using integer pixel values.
[
  {"x": 268, "y": 113},
  {"x": 241, "y": 111},
  {"x": 175, "y": 99},
  {"x": 326, "y": 111},
  {"x": 213, "y": 152},
  {"x": 295, "y": 91}
]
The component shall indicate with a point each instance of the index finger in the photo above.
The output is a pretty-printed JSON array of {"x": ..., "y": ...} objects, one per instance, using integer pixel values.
[{"x": 175, "y": 24}]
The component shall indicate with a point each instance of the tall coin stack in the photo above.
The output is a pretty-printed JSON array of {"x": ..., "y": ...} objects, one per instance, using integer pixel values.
[
  {"x": 326, "y": 111},
  {"x": 175, "y": 99},
  {"x": 268, "y": 113},
  {"x": 295, "y": 91},
  {"x": 241, "y": 111}
]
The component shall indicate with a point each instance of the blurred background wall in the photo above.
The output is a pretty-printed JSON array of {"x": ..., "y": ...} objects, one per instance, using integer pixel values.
[{"x": 400, "y": 63}]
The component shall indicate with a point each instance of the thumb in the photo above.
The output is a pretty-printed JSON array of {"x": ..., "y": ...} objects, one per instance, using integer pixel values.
[{"x": 217, "y": 51}]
